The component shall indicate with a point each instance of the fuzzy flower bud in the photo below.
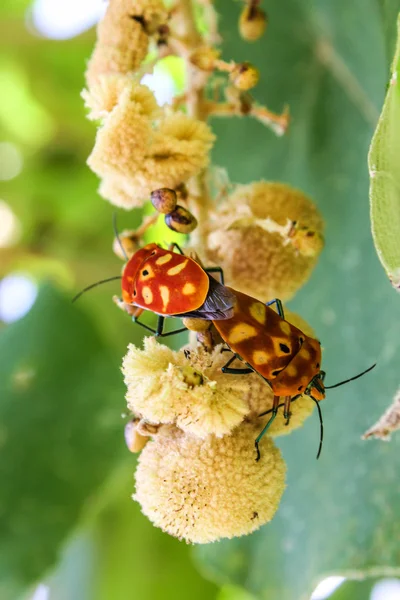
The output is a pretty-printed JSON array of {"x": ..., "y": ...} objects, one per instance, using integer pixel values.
[
  {"x": 250, "y": 239},
  {"x": 105, "y": 93},
  {"x": 205, "y": 490},
  {"x": 185, "y": 388},
  {"x": 134, "y": 155},
  {"x": 244, "y": 76},
  {"x": 123, "y": 37},
  {"x": 252, "y": 23}
]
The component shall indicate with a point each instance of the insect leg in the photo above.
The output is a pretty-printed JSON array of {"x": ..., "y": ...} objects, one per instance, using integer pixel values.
[
  {"x": 286, "y": 410},
  {"x": 279, "y": 306},
  {"x": 159, "y": 331},
  {"x": 160, "y": 328},
  {"x": 216, "y": 270},
  {"x": 267, "y": 426},
  {"x": 175, "y": 245},
  {"x": 227, "y": 369}
]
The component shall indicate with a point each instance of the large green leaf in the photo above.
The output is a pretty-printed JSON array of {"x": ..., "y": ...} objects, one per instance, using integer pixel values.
[
  {"x": 118, "y": 554},
  {"x": 383, "y": 160},
  {"x": 60, "y": 429},
  {"x": 339, "y": 515}
]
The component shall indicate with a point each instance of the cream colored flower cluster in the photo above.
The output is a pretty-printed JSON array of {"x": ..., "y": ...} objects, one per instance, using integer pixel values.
[
  {"x": 139, "y": 147},
  {"x": 195, "y": 426}
]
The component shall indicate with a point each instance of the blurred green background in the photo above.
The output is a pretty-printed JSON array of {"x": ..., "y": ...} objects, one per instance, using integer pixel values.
[{"x": 68, "y": 528}]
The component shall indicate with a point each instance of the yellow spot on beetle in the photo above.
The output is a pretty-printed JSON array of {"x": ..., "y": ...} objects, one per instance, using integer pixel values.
[
  {"x": 188, "y": 289},
  {"x": 285, "y": 327},
  {"x": 241, "y": 332},
  {"x": 260, "y": 357},
  {"x": 291, "y": 370},
  {"x": 146, "y": 273},
  {"x": 147, "y": 295},
  {"x": 305, "y": 354},
  {"x": 178, "y": 268},
  {"x": 164, "y": 291},
  {"x": 163, "y": 259},
  {"x": 259, "y": 312}
]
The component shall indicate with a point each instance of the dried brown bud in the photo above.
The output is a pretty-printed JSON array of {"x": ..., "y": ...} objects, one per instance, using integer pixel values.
[
  {"x": 252, "y": 23},
  {"x": 244, "y": 76},
  {"x": 164, "y": 200},
  {"x": 181, "y": 220}
]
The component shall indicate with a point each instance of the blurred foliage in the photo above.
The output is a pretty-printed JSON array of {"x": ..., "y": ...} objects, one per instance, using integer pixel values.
[
  {"x": 383, "y": 161},
  {"x": 66, "y": 516}
]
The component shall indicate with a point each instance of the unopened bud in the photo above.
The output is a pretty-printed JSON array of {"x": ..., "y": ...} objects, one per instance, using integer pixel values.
[
  {"x": 134, "y": 441},
  {"x": 252, "y": 23},
  {"x": 181, "y": 220},
  {"x": 244, "y": 76},
  {"x": 126, "y": 244},
  {"x": 204, "y": 58},
  {"x": 164, "y": 200}
]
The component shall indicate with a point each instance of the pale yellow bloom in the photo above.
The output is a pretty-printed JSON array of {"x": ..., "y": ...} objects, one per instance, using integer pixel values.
[
  {"x": 187, "y": 389},
  {"x": 106, "y": 92},
  {"x": 247, "y": 239},
  {"x": 123, "y": 37},
  {"x": 135, "y": 155},
  {"x": 205, "y": 490}
]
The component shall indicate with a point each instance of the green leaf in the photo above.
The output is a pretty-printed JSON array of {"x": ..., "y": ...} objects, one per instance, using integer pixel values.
[
  {"x": 384, "y": 161},
  {"x": 120, "y": 555},
  {"x": 339, "y": 515},
  {"x": 60, "y": 432}
]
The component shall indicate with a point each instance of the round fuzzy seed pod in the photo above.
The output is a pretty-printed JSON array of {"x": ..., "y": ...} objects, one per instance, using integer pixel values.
[
  {"x": 205, "y": 490},
  {"x": 252, "y": 23},
  {"x": 244, "y": 76},
  {"x": 181, "y": 220},
  {"x": 258, "y": 261},
  {"x": 164, "y": 200}
]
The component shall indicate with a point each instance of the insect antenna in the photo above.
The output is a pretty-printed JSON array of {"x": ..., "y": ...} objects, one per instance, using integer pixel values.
[
  {"x": 329, "y": 387},
  {"x": 116, "y": 233},
  {"x": 93, "y": 285},
  {"x": 321, "y": 427}
]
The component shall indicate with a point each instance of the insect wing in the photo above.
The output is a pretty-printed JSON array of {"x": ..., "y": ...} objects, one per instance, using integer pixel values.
[{"x": 219, "y": 303}]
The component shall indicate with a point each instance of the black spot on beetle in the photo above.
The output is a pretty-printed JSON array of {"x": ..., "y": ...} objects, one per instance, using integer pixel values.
[
  {"x": 300, "y": 388},
  {"x": 284, "y": 348},
  {"x": 317, "y": 365},
  {"x": 144, "y": 273},
  {"x": 275, "y": 373}
]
